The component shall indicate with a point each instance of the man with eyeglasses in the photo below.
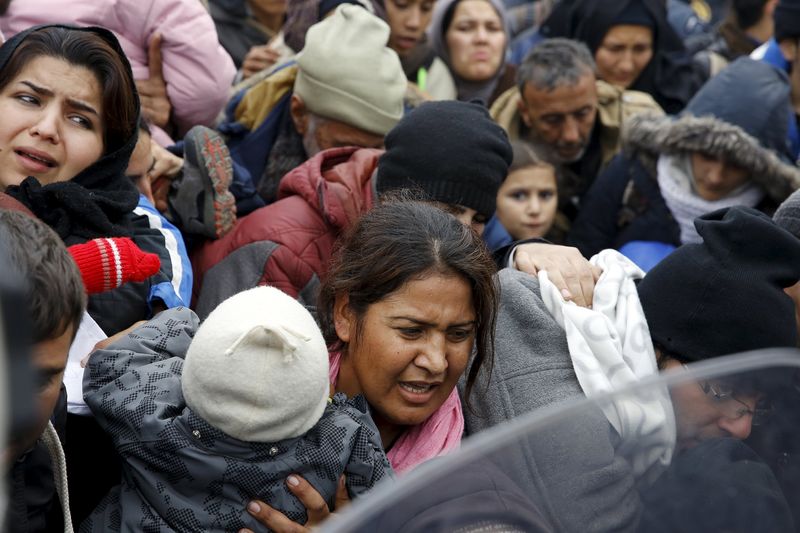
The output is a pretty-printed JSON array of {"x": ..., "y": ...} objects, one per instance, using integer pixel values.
[
  {"x": 723, "y": 296},
  {"x": 707, "y": 300},
  {"x": 717, "y": 408}
]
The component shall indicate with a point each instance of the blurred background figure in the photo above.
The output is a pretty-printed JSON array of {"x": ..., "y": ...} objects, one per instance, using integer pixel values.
[
  {"x": 471, "y": 37},
  {"x": 633, "y": 45},
  {"x": 244, "y": 28}
]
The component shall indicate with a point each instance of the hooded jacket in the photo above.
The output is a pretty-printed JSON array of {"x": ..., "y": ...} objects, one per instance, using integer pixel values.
[
  {"x": 101, "y": 201},
  {"x": 669, "y": 77},
  {"x": 770, "y": 53},
  {"x": 183, "y": 474},
  {"x": 197, "y": 70},
  {"x": 625, "y": 203},
  {"x": 288, "y": 244}
]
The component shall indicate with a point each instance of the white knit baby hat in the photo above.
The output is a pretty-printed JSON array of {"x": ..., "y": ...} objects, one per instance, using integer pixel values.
[{"x": 257, "y": 369}]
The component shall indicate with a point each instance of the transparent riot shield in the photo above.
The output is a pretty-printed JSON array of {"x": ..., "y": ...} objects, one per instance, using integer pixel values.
[{"x": 726, "y": 458}]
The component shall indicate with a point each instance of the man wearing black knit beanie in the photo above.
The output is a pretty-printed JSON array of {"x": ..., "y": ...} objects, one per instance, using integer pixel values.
[
  {"x": 721, "y": 297},
  {"x": 724, "y": 296}
]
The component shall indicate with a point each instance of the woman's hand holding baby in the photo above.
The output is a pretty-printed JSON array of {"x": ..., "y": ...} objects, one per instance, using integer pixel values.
[{"x": 315, "y": 505}]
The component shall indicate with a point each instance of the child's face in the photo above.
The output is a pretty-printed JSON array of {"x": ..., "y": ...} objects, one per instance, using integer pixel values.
[{"x": 527, "y": 202}]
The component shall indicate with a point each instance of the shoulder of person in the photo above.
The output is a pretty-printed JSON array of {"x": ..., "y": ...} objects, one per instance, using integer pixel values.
[
  {"x": 616, "y": 105},
  {"x": 505, "y": 110}
]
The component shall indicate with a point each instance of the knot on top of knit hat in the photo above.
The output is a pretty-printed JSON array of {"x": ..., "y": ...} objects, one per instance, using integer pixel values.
[{"x": 287, "y": 337}]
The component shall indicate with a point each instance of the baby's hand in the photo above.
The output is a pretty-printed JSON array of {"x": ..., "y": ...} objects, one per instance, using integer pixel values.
[{"x": 316, "y": 507}]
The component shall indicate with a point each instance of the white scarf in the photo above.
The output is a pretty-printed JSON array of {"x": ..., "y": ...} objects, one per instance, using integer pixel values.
[
  {"x": 676, "y": 181},
  {"x": 611, "y": 348}
]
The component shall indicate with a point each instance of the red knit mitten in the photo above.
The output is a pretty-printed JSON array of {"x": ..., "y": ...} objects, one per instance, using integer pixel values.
[{"x": 106, "y": 264}]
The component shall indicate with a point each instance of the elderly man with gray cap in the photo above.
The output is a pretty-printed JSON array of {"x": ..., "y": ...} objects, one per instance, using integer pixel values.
[{"x": 345, "y": 88}]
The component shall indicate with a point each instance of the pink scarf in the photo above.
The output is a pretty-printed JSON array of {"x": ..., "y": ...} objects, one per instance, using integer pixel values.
[{"x": 438, "y": 435}]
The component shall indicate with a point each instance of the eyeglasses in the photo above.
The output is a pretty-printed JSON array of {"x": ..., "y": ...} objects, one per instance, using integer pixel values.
[
  {"x": 733, "y": 408},
  {"x": 724, "y": 397}
]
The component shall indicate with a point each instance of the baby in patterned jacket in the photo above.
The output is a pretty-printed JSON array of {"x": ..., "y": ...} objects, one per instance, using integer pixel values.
[{"x": 208, "y": 418}]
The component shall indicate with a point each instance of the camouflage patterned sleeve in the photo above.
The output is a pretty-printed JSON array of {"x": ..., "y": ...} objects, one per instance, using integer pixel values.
[{"x": 137, "y": 378}]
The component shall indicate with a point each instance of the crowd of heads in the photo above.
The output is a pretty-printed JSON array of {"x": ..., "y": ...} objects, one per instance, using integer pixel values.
[{"x": 378, "y": 162}]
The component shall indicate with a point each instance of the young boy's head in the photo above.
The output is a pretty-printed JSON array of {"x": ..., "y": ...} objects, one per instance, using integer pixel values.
[
  {"x": 56, "y": 302},
  {"x": 257, "y": 368},
  {"x": 527, "y": 200}
]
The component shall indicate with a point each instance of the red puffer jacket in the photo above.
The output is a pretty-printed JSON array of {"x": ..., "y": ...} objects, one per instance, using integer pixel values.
[{"x": 288, "y": 244}]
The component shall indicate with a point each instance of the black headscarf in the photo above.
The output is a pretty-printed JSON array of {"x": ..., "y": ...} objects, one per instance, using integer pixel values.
[
  {"x": 669, "y": 77},
  {"x": 98, "y": 201}
]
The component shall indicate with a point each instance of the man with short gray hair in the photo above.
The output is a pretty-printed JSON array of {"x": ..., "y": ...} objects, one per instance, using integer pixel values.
[{"x": 555, "y": 107}]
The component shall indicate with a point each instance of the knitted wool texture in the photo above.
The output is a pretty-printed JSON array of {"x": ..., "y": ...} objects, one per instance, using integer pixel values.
[
  {"x": 257, "y": 368},
  {"x": 452, "y": 151},
  {"x": 347, "y": 74},
  {"x": 106, "y": 264},
  {"x": 725, "y": 295}
]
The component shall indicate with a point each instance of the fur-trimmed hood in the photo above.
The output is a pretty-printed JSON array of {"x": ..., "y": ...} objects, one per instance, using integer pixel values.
[
  {"x": 739, "y": 116},
  {"x": 651, "y": 136}
]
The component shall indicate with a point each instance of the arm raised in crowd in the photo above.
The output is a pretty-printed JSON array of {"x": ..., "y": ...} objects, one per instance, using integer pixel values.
[{"x": 198, "y": 72}]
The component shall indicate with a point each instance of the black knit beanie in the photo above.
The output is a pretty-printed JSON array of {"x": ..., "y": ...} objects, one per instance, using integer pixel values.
[
  {"x": 787, "y": 20},
  {"x": 725, "y": 295},
  {"x": 452, "y": 151}
]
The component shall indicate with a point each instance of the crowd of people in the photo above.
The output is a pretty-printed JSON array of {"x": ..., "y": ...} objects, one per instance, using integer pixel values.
[{"x": 274, "y": 254}]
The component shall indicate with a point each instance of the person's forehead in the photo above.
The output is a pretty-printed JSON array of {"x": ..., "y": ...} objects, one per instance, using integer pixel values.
[
  {"x": 344, "y": 134},
  {"x": 52, "y": 353},
  {"x": 563, "y": 99},
  {"x": 625, "y": 33}
]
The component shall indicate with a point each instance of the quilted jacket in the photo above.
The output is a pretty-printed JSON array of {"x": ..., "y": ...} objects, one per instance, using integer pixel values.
[
  {"x": 289, "y": 243},
  {"x": 182, "y": 474}
]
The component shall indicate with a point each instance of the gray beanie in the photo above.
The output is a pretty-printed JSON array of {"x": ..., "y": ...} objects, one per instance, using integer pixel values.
[
  {"x": 788, "y": 214},
  {"x": 346, "y": 72}
]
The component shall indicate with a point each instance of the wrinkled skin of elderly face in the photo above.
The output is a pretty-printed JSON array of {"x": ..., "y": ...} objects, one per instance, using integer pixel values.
[
  {"x": 320, "y": 133},
  {"x": 561, "y": 120}
]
